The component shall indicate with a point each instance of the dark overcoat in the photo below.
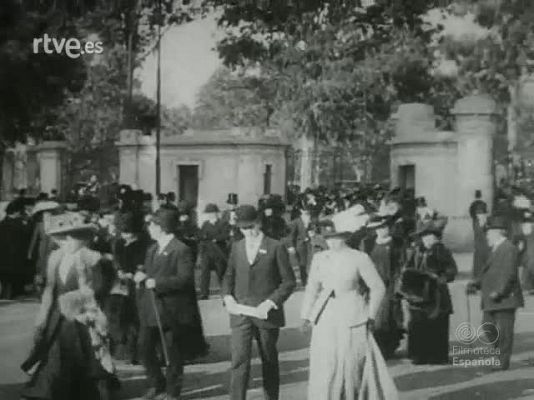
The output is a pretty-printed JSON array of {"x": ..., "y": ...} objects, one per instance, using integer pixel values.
[
  {"x": 269, "y": 277},
  {"x": 175, "y": 296},
  {"x": 14, "y": 236},
  {"x": 298, "y": 239},
  {"x": 500, "y": 275}
]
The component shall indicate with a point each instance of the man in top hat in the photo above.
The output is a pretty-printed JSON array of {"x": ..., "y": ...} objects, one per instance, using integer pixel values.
[
  {"x": 428, "y": 329},
  {"x": 273, "y": 224},
  {"x": 187, "y": 229},
  {"x": 500, "y": 290},
  {"x": 259, "y": 275},
  {"x": 168, "y": 304},
  {"x": 213, "y": 250}
]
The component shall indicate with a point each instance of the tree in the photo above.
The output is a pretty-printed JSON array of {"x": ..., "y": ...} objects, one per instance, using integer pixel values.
[
  {"x": 334, "y": 66},
  {"x": 233, "y": 98},
  {"x": 494, "y": 59}
]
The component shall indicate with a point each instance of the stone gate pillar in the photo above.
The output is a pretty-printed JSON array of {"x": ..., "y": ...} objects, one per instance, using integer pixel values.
[
  {"x": 50, "y": 155},
  {"x": 476, "y": 127},
  {"x": 137, "y": 160}
]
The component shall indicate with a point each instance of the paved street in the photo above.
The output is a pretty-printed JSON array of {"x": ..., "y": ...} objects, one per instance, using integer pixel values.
[{"x": 208, "y": 378}]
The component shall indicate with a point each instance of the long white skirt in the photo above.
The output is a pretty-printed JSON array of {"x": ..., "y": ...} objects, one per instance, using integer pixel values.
[{"x": 337, "y": 356}]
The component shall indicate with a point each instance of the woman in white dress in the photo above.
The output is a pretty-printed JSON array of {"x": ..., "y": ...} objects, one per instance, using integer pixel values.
[{"x": 341, "y": 316}]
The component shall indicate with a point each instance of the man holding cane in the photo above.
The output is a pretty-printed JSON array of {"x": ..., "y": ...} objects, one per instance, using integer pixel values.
[
  {"x": 258, "y": 280},
  {"x": 169, "y": 312},
  {"x": 501, "y": 293}
]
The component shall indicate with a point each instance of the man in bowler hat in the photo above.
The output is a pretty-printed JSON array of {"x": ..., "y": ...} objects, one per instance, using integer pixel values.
[
  {"x": 213, "y": 251},
  {"x": 501, "y": 293},
  {"x": 168, "y": 294},
  {"x": 258, "y": 275}
]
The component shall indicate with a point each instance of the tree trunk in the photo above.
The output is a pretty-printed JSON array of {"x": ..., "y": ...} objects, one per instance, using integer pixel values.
[
  {"x": 511, "y": 118},
  {"x": 305, "y": 148}
]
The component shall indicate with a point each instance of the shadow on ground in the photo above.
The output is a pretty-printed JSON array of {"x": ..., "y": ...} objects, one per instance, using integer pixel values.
[
  {"x": 511, "y": 389},
  {"x": 455, "y": 374},
  {"x": 206, "y": 385}
]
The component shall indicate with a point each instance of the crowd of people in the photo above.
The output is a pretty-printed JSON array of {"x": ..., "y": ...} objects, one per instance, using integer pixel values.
[{"x": 119, "y": 283}]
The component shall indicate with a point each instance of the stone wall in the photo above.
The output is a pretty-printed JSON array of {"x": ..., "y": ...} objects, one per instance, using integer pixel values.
[
  {"x": 225, "y": 165},
  {"x": 449, "y": 166}
]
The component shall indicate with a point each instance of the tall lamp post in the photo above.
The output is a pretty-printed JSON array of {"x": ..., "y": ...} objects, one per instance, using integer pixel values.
[{"x": 158, "y": 103}]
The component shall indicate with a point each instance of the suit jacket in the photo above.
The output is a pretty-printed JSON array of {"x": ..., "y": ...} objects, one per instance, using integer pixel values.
[
  {"x": 298, "y": 238},
  {"x": 269, "y": 277},
  {"x": 173, "y": 271},
  {"x": 500, "y": 275}
]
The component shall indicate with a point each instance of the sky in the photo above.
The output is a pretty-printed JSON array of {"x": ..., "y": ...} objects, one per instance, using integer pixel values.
[{"x": 188, "y": 59}]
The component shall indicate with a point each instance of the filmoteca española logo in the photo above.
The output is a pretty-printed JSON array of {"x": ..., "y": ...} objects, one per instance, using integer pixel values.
[{"x": 467, "y": 333}]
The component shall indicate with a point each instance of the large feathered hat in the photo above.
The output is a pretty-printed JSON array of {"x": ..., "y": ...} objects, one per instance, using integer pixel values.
[{"x": 69, "y": 222}]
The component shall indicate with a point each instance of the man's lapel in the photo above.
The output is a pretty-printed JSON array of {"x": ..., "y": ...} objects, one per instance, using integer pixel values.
[
  {"x": 493, "y": 254},
  {"x": 242, "y": 252},
  {"x": 261, "y": 251},
  {"x": 160, "y": 257}
]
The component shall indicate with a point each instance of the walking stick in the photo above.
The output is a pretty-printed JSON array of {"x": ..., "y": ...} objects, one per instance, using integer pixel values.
[
  {"x": 468, "y": 303},
  {"x": 160, "y": 328}
]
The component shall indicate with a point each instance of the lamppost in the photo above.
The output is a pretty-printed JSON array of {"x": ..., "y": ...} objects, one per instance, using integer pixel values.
[{"x": 158, "y": 102}]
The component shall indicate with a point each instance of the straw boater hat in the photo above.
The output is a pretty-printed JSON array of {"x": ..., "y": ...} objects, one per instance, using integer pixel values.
[{"x": 69, "y": 222}]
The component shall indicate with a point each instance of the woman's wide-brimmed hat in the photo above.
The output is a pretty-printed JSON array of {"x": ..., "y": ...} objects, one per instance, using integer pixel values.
[
  {"x": 68, "y": 223},
  {"x": 333, "y": 233}
]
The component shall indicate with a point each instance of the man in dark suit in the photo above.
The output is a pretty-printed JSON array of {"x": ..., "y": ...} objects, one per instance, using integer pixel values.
[
  {"x": 213, "y": 248},
  {"x": 169, "y": 285},
  {"x": 258, "y": 275},
  {"x": 298, "y": 242},
  {"x": 501, "y": 292}
]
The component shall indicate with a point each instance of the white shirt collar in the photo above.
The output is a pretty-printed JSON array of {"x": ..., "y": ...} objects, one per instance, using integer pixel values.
[
  {"x": 252, "y": 246},
  {"x": 164, "y": 241}
]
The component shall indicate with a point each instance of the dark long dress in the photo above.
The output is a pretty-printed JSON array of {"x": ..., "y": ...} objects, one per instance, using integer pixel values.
[
  {"x": 68, "y": 368},
  {"x": 121, "y": 306},
  {"x": 388, "y": 322},
  {"x": 428, "y": 329}
]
